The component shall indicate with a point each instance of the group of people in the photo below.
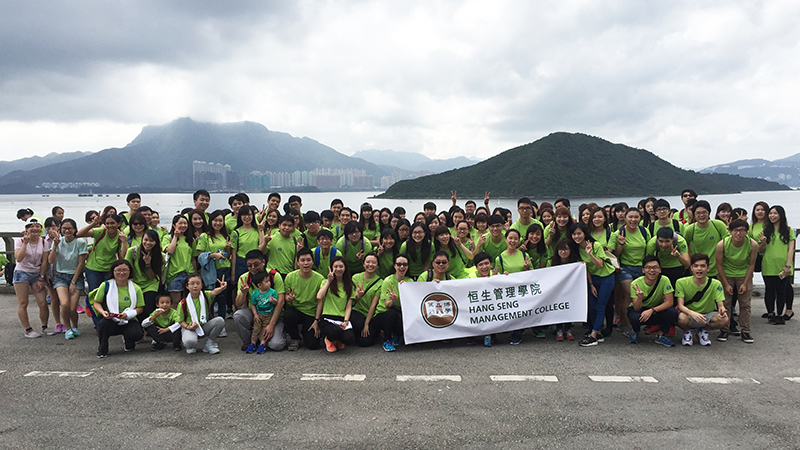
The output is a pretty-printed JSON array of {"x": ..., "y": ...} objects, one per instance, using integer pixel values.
[{"x": 331, "y": 278}]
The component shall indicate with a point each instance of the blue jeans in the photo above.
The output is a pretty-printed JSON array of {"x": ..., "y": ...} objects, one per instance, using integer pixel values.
[
  {"x": 93, "y": 280},
  {"x": 597, "y": 305}
]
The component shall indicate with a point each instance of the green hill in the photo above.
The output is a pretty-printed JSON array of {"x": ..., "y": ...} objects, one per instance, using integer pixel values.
[{"x": 573, "y": 164}]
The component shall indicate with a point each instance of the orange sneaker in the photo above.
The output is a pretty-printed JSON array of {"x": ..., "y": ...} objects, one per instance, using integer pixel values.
[
  {"x": 330, "y": 346},
  {"x": 339, "y": 345}
]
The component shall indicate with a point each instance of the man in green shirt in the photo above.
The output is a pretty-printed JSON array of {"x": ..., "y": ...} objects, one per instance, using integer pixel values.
[
  {"x": 301, "y": 287},
  {"x": 525, "y": 210},
  {"x": 282, "y": 248},
  {"x": 703, "y": 235},
  {"x": 701, "y": 302},
  {"x": 736, "y": 261},
  {"x": 243, "y": 317},
  {"x": 672, "y": 252},
  {"x": 651, "y": 302}
]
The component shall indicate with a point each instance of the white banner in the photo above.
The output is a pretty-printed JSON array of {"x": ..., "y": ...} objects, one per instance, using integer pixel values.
[{"x": 480, "y": 306}]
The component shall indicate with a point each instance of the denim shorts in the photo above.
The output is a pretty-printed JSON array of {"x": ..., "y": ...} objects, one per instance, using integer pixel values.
[
  {"x": 25, "y": 277},
  {"x": 176, "y": 285},
  {"x": 629, "y": 272},
  {"x": 65, "y": 279}
]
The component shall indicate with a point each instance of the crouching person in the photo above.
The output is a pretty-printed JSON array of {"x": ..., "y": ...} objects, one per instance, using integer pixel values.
[
  {"x": 701, "y": 302},
  {"x": 117, "y": 302},
  {"x": 163, "y": 325},
  {"x": 194, "y": 312},
  {"x": 652, "y": 302}
]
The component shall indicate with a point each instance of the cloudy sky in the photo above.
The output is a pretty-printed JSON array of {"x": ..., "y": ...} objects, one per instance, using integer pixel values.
[{"x": 697, "y": 83}]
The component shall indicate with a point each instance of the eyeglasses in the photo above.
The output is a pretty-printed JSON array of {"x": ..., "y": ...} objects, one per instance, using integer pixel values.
[
  {"x": 401, "y": 264},
  {"x": 687, "y": 195},
  {"x": 121, "y": 270},
  {"x": 255, "y": 265},
  {"x": 439, "y": 263},
  {"x": 651, "y": 267},
  {"x": 139, "y": 224}
]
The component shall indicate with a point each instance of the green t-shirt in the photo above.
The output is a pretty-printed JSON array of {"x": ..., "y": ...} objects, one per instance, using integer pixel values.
[
  {"x": 686, "y": 289},
  {"x": 184, "y": 315},
  {"x": 230, "y": 222},
  {"x": 371, "y": 234},
  {"x": 736, "y": 260},
  {"x": 124, "y": 298},
  {"x": 755, "y": 231},
  {"x": 390, "y": 284},
  {"x": 305, "y": 291},
  {"x": 494, "y": 249},
  {"x": 665, "y": 257},
  {"x": 350, "y": 252},
  {"x": 662, "y": 287},
  {"x": 603, "y": 237},
  {"x": 704, "y": 240},
  {"x": 335, "y": 302},
  {"x": 181, "y": 259},
  {"x": 538, "y": 260},
  {"x": 214, "y": 244},
  {"x": 309, "y": 240},
  {"x": 775, "y": 254},
  {"x": 281, "y": 253},
  {"x": 140, "y": 278},
  {"x": 598, "y": 252},
  {"x": 104, "y": 251},
  {"x": 551, "y": 249},
  {"x": 510, "y": 263},
  {"x": 242, "y": 241},
  {"x": 416, "y": 266},
  {"x": 523, "y": 229},
  {"x": 165, "y": 320},
  {"x": 635, "y": 245},
  {"x": 372, "y": 289},
  {"x": 385, "y": 263}
]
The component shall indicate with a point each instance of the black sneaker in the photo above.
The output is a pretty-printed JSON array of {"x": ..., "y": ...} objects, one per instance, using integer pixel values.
[
  {"x": 735, "y": 330},
  {"x": 157, "y": 346},
  {"x": 588, "y": 341},
  {"x": 765, "y": 316},
  {"x": 723, "y": 336},
  {"x": 772, "y": 319},
  {"x": 747, "y": 338}
]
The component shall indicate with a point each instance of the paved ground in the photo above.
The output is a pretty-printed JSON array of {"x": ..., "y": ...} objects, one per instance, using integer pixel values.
[{"x": 92, "y": 406}]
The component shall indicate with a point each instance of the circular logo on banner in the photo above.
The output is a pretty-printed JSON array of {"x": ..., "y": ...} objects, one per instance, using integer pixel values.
[{"x": 439, "y": 310}]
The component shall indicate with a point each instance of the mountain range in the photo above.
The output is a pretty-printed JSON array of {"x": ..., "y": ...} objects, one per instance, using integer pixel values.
[
  {"x": 573, "y": 164},
  {"x": 392, "y": 160},
  {"x": 160, "y": 158},
  {"x": 786, "y": 170},
  {"x": 33, "y": 162}
]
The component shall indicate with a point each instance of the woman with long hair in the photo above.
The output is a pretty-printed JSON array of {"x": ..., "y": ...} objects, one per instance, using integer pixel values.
[
  {"x": 68, "y": 255},
  {"x": 334, "y": 306},
  {"x": 217, "y": 242},
  {"x": 602, "y": 279},
  {"x": 245, "y": 237},
  {"x": 459, "y": 254},
  {"x": 419, "y": 249},
  {"x": 181, "y": 249},
  {"x": 353, "y": 245},
  {"x": 146, "y": 261},
  {"x": 137, "y": 225},
  {"x": 777, "y": 241},
  {"x": 32, "y": 256},
  {"x": 564, "y": 255},
  {"x": 388, "y": 248}
]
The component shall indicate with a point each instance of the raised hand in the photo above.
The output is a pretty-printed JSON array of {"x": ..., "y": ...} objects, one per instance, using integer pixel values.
[
  {"x": 290, "y": 295},
  {"x": 330, "y": 273},
  {"x": 639, "y": 292}
]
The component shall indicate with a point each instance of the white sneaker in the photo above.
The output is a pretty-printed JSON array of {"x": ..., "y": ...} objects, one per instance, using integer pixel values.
[
  {"x": 211, "y": 347},
  {"x": 688, "y": 339},
  {"x": 703, "y": 336},
  {"x": 191, "y": 351},
  {"x": 223, "y": 333},
  {"x": 32, "y": 334}
]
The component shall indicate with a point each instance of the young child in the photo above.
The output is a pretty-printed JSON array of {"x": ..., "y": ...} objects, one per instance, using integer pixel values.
[
  {"x": 163, "y": 325},
  {"x": 262, "y": 303},
  {"x": 194, "y": 312}
]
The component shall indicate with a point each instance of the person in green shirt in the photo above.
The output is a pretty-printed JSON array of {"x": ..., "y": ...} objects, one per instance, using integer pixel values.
[
  {"x": 629, "y": 244},
  {"x": 243, "y": 316},
  {"x": 334, "y": 306},
  {"x": 301, "y": 288},
  {"x": 701, "y": 302},
  {"x": 217, "y": 243},
  {"x": 235, "y": 202},
  {"x": 663, "y": 218},
  {"x": 388, "y": 312},
  {"x": 703, "y": 235},
  {"x": 282, "y": 247},
  {"x": 369, "y": 228},
  {"x": 147, "y": 261},
  {"x": 194, "y": 313},
  {"x": 557, "y": 229},
  {"x": 312, "y": 221},
  {"x": 388, "y": 248},
  {"x": 354, "y": 246},
  {"x": 684, "y": 216},
  {"x": 418, "y": 248},
  {"x": 367, "y": 285},
  {"x": 137, "y": 226},
  {"x": 736, "y": 261},
  {"x": 535, "y": 247},
  {"x": 110, "y": 244},
  {"x": 652, "y": 302},
  {"x": 181, "y": 251},
  {"x": 672, "y": 252},
  {"x": 602, "y": 279},
  {"x": 117, "y": 302},
  {"x": 439, "y": 269},
  {"x": 162, "y": 325},
  {"x": 457, "y": 252},
  {"x": 777, "y": 241},
  {"x": 493, "y": 242},
  {"x": 134, "y": 202},
  {"x": 246, "y": 236},
  {"x": 758, "y": 220}
]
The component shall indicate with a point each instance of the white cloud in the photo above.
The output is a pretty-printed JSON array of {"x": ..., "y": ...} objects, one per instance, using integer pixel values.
[{"x": 697, "y": 84}]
